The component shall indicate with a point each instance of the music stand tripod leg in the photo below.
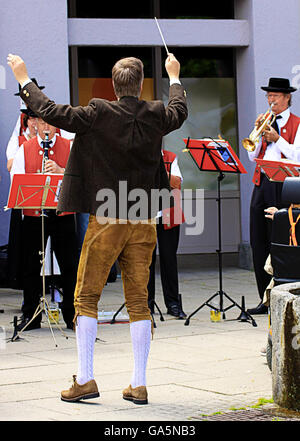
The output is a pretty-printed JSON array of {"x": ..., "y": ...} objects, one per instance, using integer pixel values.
[
  {"x": 38, "y": 311},
  {"x": 243, "y": 310},
  {"x": 154, "y": 304},
  {"x": 55, "y": 323},
  {"x": 206, "y": 303},
  {"x": 113, "y": 320}
]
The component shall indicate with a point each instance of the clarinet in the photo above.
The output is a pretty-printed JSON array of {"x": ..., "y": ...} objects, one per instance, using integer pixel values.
[{"x": 46, "y": 151}]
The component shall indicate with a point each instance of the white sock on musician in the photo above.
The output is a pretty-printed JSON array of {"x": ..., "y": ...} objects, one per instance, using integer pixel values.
[
  {"x": 141, "y": 338},
  {"x": 86, "y": 333}
]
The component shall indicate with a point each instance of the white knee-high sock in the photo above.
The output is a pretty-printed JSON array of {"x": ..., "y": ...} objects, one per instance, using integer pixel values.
[
  {"x": 141, "y": 337},
  {"x": 86, "y": 333}
]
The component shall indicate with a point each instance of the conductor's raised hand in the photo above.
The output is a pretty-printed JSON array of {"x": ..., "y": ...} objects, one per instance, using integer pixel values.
[
  {"x": 172, "y": 67},
  {"x": 18, "y": 67}
]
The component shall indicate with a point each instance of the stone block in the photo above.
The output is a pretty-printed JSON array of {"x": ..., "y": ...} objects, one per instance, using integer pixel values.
[{"x": 285, "y": 321}]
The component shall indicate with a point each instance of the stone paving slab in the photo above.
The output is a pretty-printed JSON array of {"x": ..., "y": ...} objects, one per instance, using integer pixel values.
[{"x": 198, "y": 369}]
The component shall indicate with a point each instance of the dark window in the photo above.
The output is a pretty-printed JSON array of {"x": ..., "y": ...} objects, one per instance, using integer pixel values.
[
  {"x": 193, "y": 9},
  {"x": 202, "y": 62},
  {"x": 150, "y": 8},
  {"x": 100, "y": 9},
  {"x": 95, "y": 66},
  {"x": 97, "y": 62}
]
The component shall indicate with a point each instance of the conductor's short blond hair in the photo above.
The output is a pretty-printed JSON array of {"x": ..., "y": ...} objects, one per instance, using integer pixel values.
[{"x": 128, "y": 76}]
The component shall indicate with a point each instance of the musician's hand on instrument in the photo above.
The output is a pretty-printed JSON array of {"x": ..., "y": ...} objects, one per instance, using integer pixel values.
[
  {"x": 259, "y": 119},
  {"x": 270, "y": 211},
  {"x": 52, "y": 167},
  {"x": 18, "y": 67},
  {"x": 270, "y": 134}
]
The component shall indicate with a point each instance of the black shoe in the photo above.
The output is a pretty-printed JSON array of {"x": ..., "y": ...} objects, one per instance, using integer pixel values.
[
  {"x": 28, "y": 327},
  {"x": 70, "y": 326},
  {"x": 260, "y": 309},
  {"x": 182, "y": 315},
  {"x": 174, "y": 310}
]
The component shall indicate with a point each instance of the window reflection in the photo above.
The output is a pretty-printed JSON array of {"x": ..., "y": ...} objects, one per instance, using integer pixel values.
[{"x": 212, "y": 111}]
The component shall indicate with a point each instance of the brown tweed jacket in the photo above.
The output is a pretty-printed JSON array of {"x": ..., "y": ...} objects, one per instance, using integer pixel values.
[{"x": 115, "y": 141}]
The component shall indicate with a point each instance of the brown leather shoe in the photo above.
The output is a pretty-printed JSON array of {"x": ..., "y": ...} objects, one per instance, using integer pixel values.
[
  {"x": 138, "y": 395},
  {"x": 80, "y": 392}
]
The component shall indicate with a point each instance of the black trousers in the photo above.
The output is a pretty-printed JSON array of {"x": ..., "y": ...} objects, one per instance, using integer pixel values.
[
  {"x": 15, "y": 250},
  {"x": 267, "y": 194},
  {"x": 168, "y": 244},
  {"x": 62, "y": 231}
]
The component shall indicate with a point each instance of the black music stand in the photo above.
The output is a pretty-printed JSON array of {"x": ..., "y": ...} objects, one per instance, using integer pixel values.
[
  {"x": 217, "y": 156},
  {"x": 39, "y": 192}
]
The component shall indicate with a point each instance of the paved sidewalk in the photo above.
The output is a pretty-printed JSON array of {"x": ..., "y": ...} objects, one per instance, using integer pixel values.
[{"x": 193, "y": 370}]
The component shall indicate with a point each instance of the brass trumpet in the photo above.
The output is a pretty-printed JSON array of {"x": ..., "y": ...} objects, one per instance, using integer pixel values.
[{"x": 266, "y": 120}]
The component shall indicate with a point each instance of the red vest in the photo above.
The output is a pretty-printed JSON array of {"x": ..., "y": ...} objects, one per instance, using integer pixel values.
[
  {"x": 22, "y": 139},
  {"x": 172, "y": 216},
  {"x": 33, "y": 157},
  {"x": 287, "y": 132},
  {"x": 22, "y": 127}
]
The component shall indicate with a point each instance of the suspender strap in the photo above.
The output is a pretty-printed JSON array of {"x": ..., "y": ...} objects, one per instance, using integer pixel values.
[{"x": 293, "y": 240}]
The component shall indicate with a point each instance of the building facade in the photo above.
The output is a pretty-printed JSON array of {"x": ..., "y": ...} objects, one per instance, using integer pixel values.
[{"x": 226, "y": 53}]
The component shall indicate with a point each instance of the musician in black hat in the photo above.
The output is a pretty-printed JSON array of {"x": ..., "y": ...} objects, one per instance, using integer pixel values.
[
  {"x": 23, "y": 131},
  {"x": 281, "y": 140},
  {"x": 19, "y": 130}
]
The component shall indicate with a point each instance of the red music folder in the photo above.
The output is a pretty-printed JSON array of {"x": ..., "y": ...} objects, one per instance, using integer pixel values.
[
  {"x": 278, "y": 170},
  {"x": 214, "y": 155},
  {"x": 34, "y": 191}
]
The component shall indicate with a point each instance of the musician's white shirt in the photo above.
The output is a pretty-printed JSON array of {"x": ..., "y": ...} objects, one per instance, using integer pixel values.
[
  {"x": 175, "y": 171},
  {"x": 274, "y": 149}
]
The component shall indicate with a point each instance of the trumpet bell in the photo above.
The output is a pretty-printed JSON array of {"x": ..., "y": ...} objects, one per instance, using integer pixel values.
[
  {"x": 248, "y": 144},
  {"x": 267, "y": 120}
]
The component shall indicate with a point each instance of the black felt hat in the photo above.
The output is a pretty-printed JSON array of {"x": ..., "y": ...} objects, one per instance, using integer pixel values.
[
  {"x": 35, "y": 82},
  {"x": 29, "y": 113},
  {"x": 279, "y": 85}
]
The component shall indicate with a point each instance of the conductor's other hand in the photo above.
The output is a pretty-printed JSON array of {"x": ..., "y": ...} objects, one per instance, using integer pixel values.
[
  {"x": 18, "y": 67},
  {"x": 172, "y": 67}
]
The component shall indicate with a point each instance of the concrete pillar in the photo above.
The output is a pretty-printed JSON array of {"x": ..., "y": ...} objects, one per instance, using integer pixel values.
[{"x": 285, "y": 319}]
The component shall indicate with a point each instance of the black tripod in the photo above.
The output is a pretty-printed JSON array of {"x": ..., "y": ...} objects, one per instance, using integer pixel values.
[
  {"x": 113, "y": 320},
  {"x": 214, "y": 155}
]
